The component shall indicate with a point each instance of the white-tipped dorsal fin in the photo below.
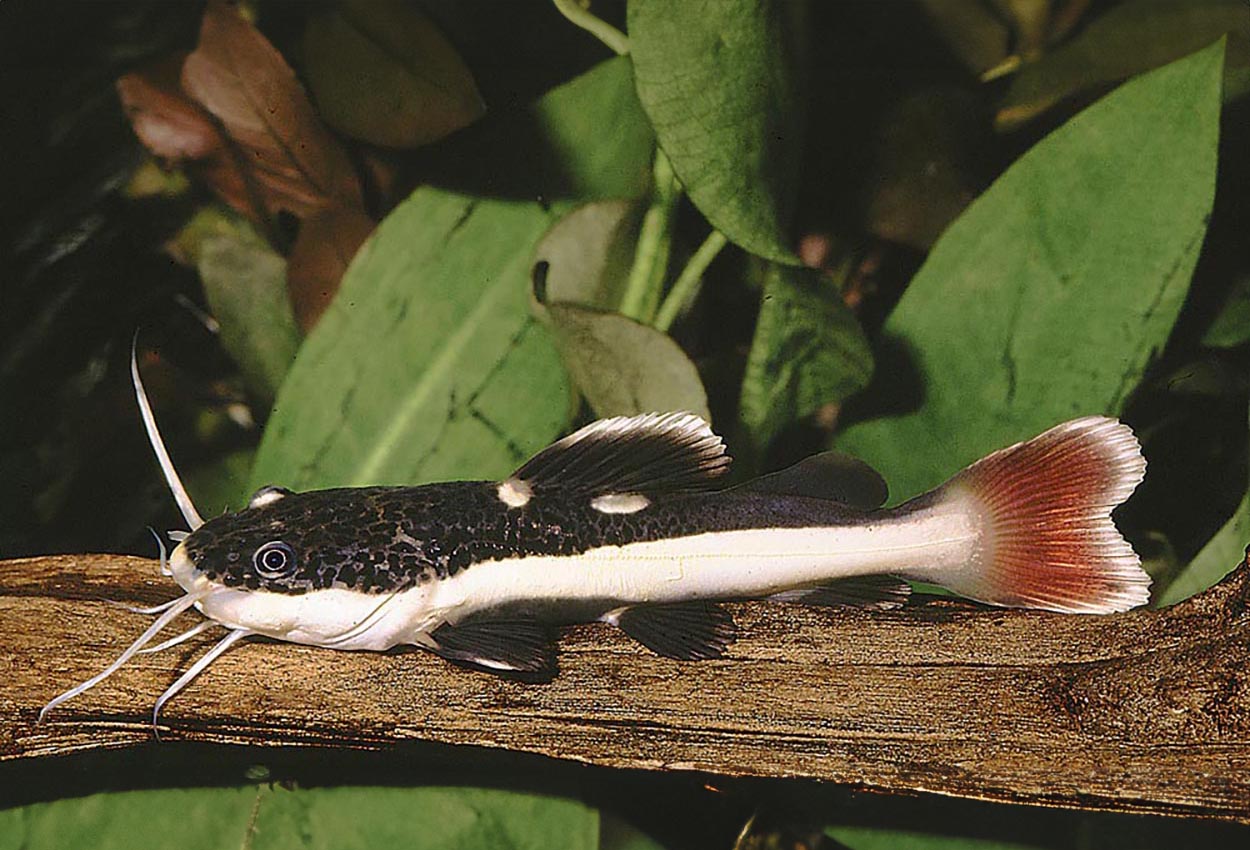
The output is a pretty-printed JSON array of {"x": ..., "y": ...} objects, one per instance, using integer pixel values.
[
  {"x": 649, "y": 453},
  {"x": 181, "y": 496}
]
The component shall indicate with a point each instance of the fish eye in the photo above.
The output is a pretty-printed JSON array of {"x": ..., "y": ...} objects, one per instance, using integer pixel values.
[{"x": 274, "y": 560}]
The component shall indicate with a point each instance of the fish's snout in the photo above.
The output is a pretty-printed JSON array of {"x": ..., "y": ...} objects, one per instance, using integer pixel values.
[{"x": 184, "y": 571}]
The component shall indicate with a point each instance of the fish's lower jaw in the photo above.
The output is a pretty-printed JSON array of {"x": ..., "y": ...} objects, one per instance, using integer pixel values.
[
  {"x": 336, "y": 618},
  {"x": 1048, "y": 540}
]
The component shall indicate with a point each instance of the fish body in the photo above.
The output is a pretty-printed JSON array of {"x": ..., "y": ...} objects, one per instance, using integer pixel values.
[
  {"x": 627, "y": 521},
  {"x": 455, "y": 552},
  {"x": 624, "y": 522}
]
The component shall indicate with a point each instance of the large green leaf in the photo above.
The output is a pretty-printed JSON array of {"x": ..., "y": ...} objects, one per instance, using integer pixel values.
[
  {"x": 271, "y": 818},
  {"x": 428, "y": 364},
  {"x": 1048, "y": 297},
  {"x": 596, "y": 134},
  {"x": 808, "y": 351},
  {"x": 718, "y": 80}
]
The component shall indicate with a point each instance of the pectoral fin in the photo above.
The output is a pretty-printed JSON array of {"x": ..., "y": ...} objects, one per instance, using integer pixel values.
[
  {"x": 498, "y": 646},
  {"x": 688, "y": 631}
]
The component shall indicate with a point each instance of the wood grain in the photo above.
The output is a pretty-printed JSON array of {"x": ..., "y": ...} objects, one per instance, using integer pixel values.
[{"x": 1147, "y": 711}]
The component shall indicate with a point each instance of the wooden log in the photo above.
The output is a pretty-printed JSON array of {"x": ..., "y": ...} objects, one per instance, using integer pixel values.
[{"x": 1147, "y": 711}]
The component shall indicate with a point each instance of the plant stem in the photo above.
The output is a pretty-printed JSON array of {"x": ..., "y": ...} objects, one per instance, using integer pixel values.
[
  {"x": 600, "y": 29},
  {"x": 686, "y": 287},
  {"x": 654, "y": 242}
]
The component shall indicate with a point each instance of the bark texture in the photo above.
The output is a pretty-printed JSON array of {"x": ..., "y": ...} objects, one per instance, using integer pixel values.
[{"x": 1147, "y": 711}]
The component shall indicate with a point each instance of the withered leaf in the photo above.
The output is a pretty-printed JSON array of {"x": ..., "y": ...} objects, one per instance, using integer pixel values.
[
  {"x": 327, "y": 241},
  {"x": 622, "y": 366},
  {"x": 238, "y": 76},
  {"x": 588, "y": 253},
  {"x": 177, "y": 129}
]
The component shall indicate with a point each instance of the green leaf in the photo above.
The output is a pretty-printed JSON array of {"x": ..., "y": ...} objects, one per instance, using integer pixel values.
[
  {"x": 1047, "y": 298},
  {"x": 1231, "y": 327},
  {"x": 718, "y": 80},
  {"x": 201, "y": 820},
  {"x": 617, "y": 834},
  {"x": 271, "y": 818},
  {"x": 422, "y": 819},
  {"x": 1217, "y": 559},
  {"x": 585, "y": 140},
  {"x": 864, "y": 838},
  {"x": 245, "y": 285},
  {"x": 221, "y": 485},
  {"x": 808, "y": 351},
  {"x": 427, "y": 365},
  {"x": 1129, "y": 38},
  {"x": 597, "y": 136},
  {"x": 384, "y": 73},
  {"x": 624, "y": 367}
]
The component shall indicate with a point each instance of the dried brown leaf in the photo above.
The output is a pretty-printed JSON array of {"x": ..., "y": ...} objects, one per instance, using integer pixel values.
[
  {"x": 325, "y": 246},
  {"x": 169, "y": 123},
  {"x": 238, "y": 76},
  {"x": 176, "y": 128}
]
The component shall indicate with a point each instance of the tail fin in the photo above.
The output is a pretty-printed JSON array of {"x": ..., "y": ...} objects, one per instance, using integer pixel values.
[{"x": 1049, "y": 541}]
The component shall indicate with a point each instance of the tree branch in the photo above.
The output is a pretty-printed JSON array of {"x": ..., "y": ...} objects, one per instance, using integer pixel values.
[{"x": 1147, "y": 711}]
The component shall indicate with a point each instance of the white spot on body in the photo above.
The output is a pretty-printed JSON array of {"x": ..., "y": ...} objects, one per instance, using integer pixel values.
[
  {"x": 265, "y": 497},
  {"x": 515, "y": 493},
  {"x": 620, "y": 503}
]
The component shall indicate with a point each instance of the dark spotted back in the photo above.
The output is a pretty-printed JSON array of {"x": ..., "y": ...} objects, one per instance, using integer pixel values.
[{"x": 380, "y": 539}]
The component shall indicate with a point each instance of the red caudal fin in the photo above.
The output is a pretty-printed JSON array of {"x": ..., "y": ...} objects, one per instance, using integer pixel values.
[{"x": 1048, "y": 540}]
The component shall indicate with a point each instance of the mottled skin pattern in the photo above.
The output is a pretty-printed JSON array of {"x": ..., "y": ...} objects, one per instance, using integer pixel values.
[{"x": 381, "y": 539}]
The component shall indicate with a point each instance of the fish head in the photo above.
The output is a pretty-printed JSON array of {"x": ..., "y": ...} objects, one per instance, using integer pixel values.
[{"x": 302, "y": 567}]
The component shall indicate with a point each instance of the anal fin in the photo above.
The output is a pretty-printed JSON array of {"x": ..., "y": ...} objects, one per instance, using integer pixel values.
[
  {"x": 687, "y": 631},
  {"x": 498, "y": 646},
  {"x": 873, "y": 593}
]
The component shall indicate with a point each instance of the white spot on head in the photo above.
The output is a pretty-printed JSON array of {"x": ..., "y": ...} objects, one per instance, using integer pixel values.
[
  {"x": 620, "y": 503},
  {"x": 515, "y": 493}
]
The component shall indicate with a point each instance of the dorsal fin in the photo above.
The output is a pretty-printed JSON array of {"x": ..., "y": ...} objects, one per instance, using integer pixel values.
[
  {"x": 649, "y": 453},
  {"x": 830, "y": 475}
]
